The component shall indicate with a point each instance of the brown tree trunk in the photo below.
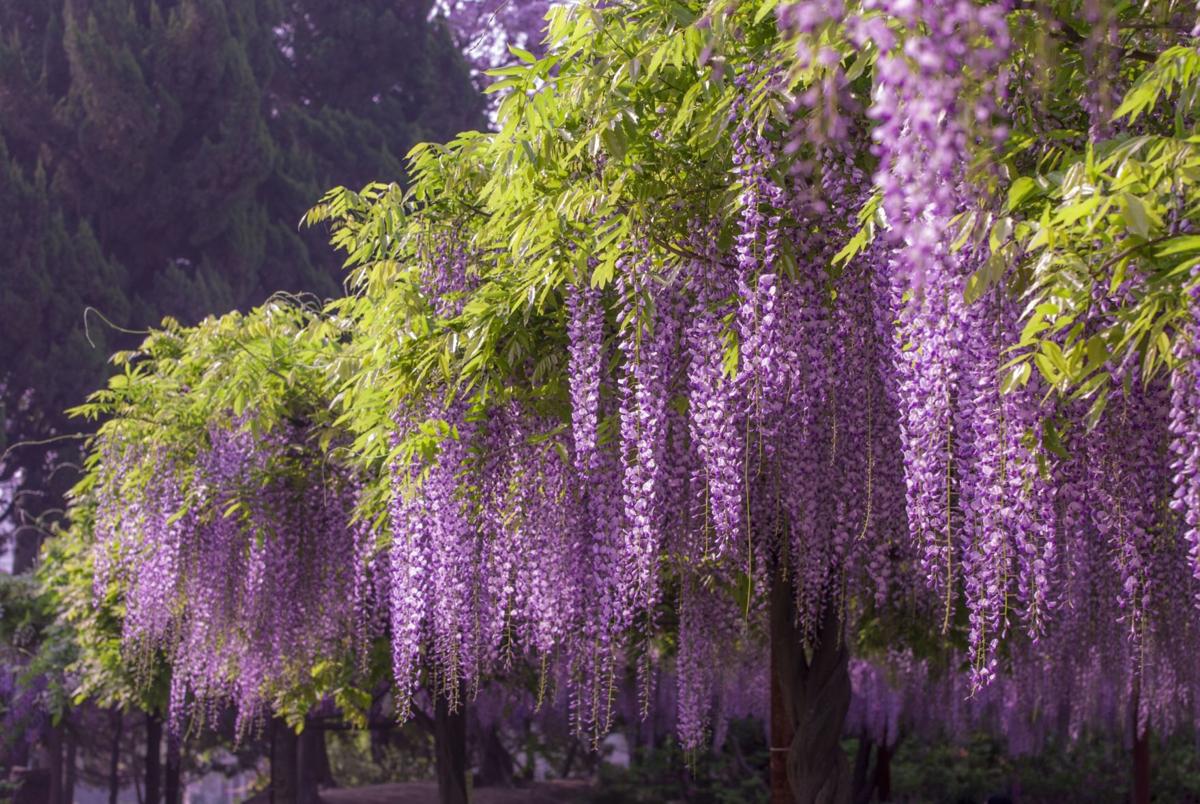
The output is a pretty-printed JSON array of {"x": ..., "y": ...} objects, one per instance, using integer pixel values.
[
  {"x": 450, "y": 745},
  {"x": 153, "y": 759},
  {"x": 782, "y": 732},
  {"x": 172, "y": 789},
  {"x": 496, "y": 764},
  {"x": 313, "y": 765},
  {"x": 285, "y": 759},
  {"x": 815, "y": 690},
  {"x": 862, "y": 782},
  {"x": 69, "y": 773},
  {"x": 54, "y": 751},
  {"x": 570, "y": 760},
  {"x": 883, "y": 772},
  {"x": 1141, "y": 749},
  {"x": 1141, "y": 767},
  {"x": 379, "y": 740},
  {"x": 114, "y": 760}
]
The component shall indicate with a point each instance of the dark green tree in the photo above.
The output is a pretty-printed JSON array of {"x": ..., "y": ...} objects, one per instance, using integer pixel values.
[{"x": 155, "y": 158}]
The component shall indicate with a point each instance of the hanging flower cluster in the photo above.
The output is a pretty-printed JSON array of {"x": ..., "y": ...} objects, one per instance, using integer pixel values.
[
  {"x": 234, "y": 569},
  {"x": 1185, "y": 431},
  {"x": 507, "y": 545}
]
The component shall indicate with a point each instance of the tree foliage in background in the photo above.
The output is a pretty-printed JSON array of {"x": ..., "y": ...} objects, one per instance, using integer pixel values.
[{"x": 156, "y": 156}]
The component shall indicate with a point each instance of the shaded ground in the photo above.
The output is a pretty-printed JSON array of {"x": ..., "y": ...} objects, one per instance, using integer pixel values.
[{"x": 424, "y": 792}]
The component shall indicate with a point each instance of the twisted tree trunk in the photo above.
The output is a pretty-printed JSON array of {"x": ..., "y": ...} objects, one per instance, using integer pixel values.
[
  {"x": 1140, "y": 794},
  {"x": 285, "y": 763},
  {"x": 69, "y": 774},
  {"x": 782, "y": 732},
  {"x": 153, "y": 766},
  {"x": 450, "y": 744},
  {"x": 863, "y": 782},
  {"x": 313, "y": 759},
  {"x": 496, "y": 764},
  {"x": 114, "y": 759},
  {"x": 172, "y": 788},
  {"x": 814, "y": 689},
  {"x": 54, "y": 748},
  {"x": 883, "y": 771}
]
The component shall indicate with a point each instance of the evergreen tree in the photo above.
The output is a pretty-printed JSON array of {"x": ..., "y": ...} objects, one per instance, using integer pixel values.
[{"x": 155, "y": 157}]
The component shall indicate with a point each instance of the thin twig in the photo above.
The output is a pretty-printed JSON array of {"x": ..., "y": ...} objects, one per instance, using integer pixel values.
[
  {"x": 1129, "y": 251},
  {"x": 42, "y": 442},
  {"x": 87, "y": 333}
]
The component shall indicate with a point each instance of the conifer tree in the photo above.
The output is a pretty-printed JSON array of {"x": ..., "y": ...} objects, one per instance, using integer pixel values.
[{"x": 155, "y": 158}]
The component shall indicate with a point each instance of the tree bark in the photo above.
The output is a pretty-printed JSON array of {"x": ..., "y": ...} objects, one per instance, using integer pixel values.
[
  {"x": 172, "y": 789},
  {"x": 69, "y": 774},
  {"x": 450, "y": 745},
  {"x": 153, "y": 759},
  {"x": 782, "y": 731},
  {"x": 285, "y": 763},
  {"x": 883, "y": 772},
  {"x": 570, "y": 760},
  {"x": 324, "y": 766},
  {"x": 54, "y": 750},
  {"x": 379, "y": 740},
  {"x": 815, "y": 690},
  {"x": 496, "y": 764},
  {"x": 313, "y": 765},
  {"x": 862, "y": 783},
  {"x": 1141, "y": 749},
  {"x": 1141, "y": 766},
  {"x": 114, "y": 760}
]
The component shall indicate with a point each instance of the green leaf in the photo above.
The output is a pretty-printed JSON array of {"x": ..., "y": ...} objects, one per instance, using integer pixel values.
[
  {"x": 1001, "y": 232},
  {"x": 1179, "y": 245},
  {"x": 764, "y": 9},
  {"x": 522, "y": 54},
  {"x": 1016, "y": 376},
  {"x": 1052, "y": 440},
  {"x": 985, "y": 278},
  {"x": 1021, "y": 189},
  {"x": 857, "y": 243},
  {"x": 1142, "y": 97},
  {"x": 1133, "y": 212},
  {"x": 602, "y": 274}
]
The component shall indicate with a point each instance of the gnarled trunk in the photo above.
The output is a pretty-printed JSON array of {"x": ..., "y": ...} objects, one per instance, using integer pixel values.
[
  {"x": 883, "y": 771},
  {"x": 114, "y": 759},
  {"x": 781, "y": 733},
  {"x": 54, "y": 750},
  {"x": 863, "y": 782},
  {"x": 69, "y": 773},
  {"x": 496, "y": 764},
  {"x": 450, "y": 745},
  {"x": 814, "y": 689},
  {"x": 172, "y": 789},
  {"x": 153, "y": 766},
  {"x": 1141, "y": 768},
  {"x": 285, "y": 763},
  {"x": 314, "y": 765},
  {"x": 1141, "y": 750}
]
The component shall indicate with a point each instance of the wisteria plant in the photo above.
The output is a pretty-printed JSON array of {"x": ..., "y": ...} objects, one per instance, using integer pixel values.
[{"x": 758, "y": 335}]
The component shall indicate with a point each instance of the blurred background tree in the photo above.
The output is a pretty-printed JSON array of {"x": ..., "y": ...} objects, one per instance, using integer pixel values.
[{"x": 155, "y": 158}]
